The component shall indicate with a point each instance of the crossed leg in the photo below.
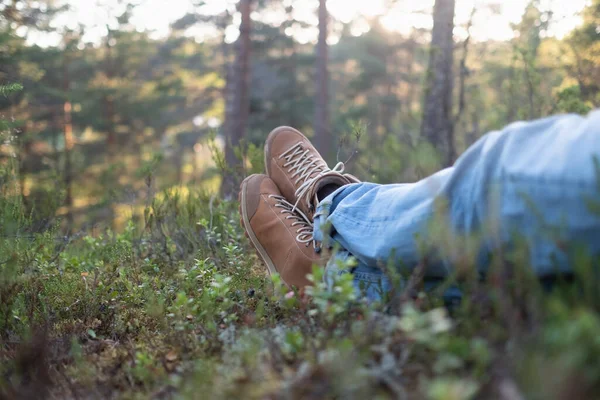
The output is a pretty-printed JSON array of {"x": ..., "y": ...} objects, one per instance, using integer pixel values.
[{"x": 536, "y": 181}]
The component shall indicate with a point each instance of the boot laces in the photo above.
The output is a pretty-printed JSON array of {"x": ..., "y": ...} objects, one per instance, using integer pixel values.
[
  {"x": 304, "y": 228},
  {"x": 303, "y": 165}
]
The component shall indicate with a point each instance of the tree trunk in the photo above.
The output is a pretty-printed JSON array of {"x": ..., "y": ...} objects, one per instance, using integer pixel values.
[
  {"x": 68, "y": 137},
  {"x": 108, "y": 101},
  {"x": 512, "y": 97},
  {"x": 437, "y": 113},
  {"x": 227, "y": 71},
  {"x": 462, "y": 84},
  {"x": 22, "y": 153},
  {"x": 239, "y": 110},
  {"x": 294, "y": 121},
  {"x": 387, "y": 113},
  {"x": 410, "y": 60},
  {"x": 322, "y": 128}
]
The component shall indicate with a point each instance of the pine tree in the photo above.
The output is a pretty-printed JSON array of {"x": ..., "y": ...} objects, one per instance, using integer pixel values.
[
  {"x": 437, "y": 125},
  {"x": 322, "y": 127},
  {"x": 237, "y": 118}
]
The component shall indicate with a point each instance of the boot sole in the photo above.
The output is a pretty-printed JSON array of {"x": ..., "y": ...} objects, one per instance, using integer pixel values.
[{"x": 245, "y": 221}]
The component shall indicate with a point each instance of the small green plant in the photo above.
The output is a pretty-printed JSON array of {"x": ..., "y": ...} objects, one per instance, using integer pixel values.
[
  {"x": 331, "y": 299},
  {"x": 178, "y": 303}
]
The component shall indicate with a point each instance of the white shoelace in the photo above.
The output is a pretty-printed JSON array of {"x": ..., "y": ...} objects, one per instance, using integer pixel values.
[
  {"x": 304, "y": 231},
  {"x": 302, "y": 165}
]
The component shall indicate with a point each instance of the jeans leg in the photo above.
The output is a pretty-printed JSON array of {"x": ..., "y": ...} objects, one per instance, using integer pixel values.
[
  {"x": 370, "y": 283},
  {"x": 531, "y": 179},
  {"x": 374, "y": 285}
]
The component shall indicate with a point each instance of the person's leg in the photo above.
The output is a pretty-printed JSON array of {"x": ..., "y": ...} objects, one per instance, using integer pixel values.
[
  {"x": 527, "y": 179},
  {"x": 373, "y": 284},
  {"x": 370, "y": 283}
]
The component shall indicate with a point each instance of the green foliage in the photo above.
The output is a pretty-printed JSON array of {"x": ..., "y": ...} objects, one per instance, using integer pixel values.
[
  {"x": 564, "y": 354},
  {"x": 153, "y": 291},
  {"x": 11, "y": 88},
  {"x": 570, "y": 100},
  {"x": 584, "y": 43},
  {"x": 181, "y": 304}
]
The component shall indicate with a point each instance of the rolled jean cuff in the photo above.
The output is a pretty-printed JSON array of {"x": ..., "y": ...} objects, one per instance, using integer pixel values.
[{"x": 370, "y": 283}]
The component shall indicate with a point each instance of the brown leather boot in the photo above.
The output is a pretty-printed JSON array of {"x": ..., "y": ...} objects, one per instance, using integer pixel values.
[
  {"x": 299, "y": 170},
  {"x": 282, "y": 237}
]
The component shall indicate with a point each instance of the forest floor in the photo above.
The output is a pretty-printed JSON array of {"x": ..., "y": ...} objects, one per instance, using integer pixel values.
[{"x": 183, "y": 309}]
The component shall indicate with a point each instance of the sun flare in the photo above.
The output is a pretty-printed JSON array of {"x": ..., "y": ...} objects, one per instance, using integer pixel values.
[{"x": 492, "y": 20}]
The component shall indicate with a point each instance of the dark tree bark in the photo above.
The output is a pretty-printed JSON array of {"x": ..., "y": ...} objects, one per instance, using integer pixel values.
[
  {"x": 238, "y": 108},
  {"x": 227, "y": 71},
  {"x": 322, "y": 128},
  {"x": 437, "y": 125}
]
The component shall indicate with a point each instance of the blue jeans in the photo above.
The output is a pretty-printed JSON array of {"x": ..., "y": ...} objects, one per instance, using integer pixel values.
[{"x": 535, "y": 181}]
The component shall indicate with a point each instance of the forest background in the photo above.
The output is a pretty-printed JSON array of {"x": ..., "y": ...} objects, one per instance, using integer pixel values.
[
  {"x": 127, "y": 125},
  {"x": 113, "y": 88}
]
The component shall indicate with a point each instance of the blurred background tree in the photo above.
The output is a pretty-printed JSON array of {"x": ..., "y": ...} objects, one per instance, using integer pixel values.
[
  {"x": 123, "y": 99},
  {"x": 437, "y": 126}
]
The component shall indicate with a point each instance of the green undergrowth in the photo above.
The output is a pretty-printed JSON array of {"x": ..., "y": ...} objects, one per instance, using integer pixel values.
[{"x": 178, "y": 306}]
